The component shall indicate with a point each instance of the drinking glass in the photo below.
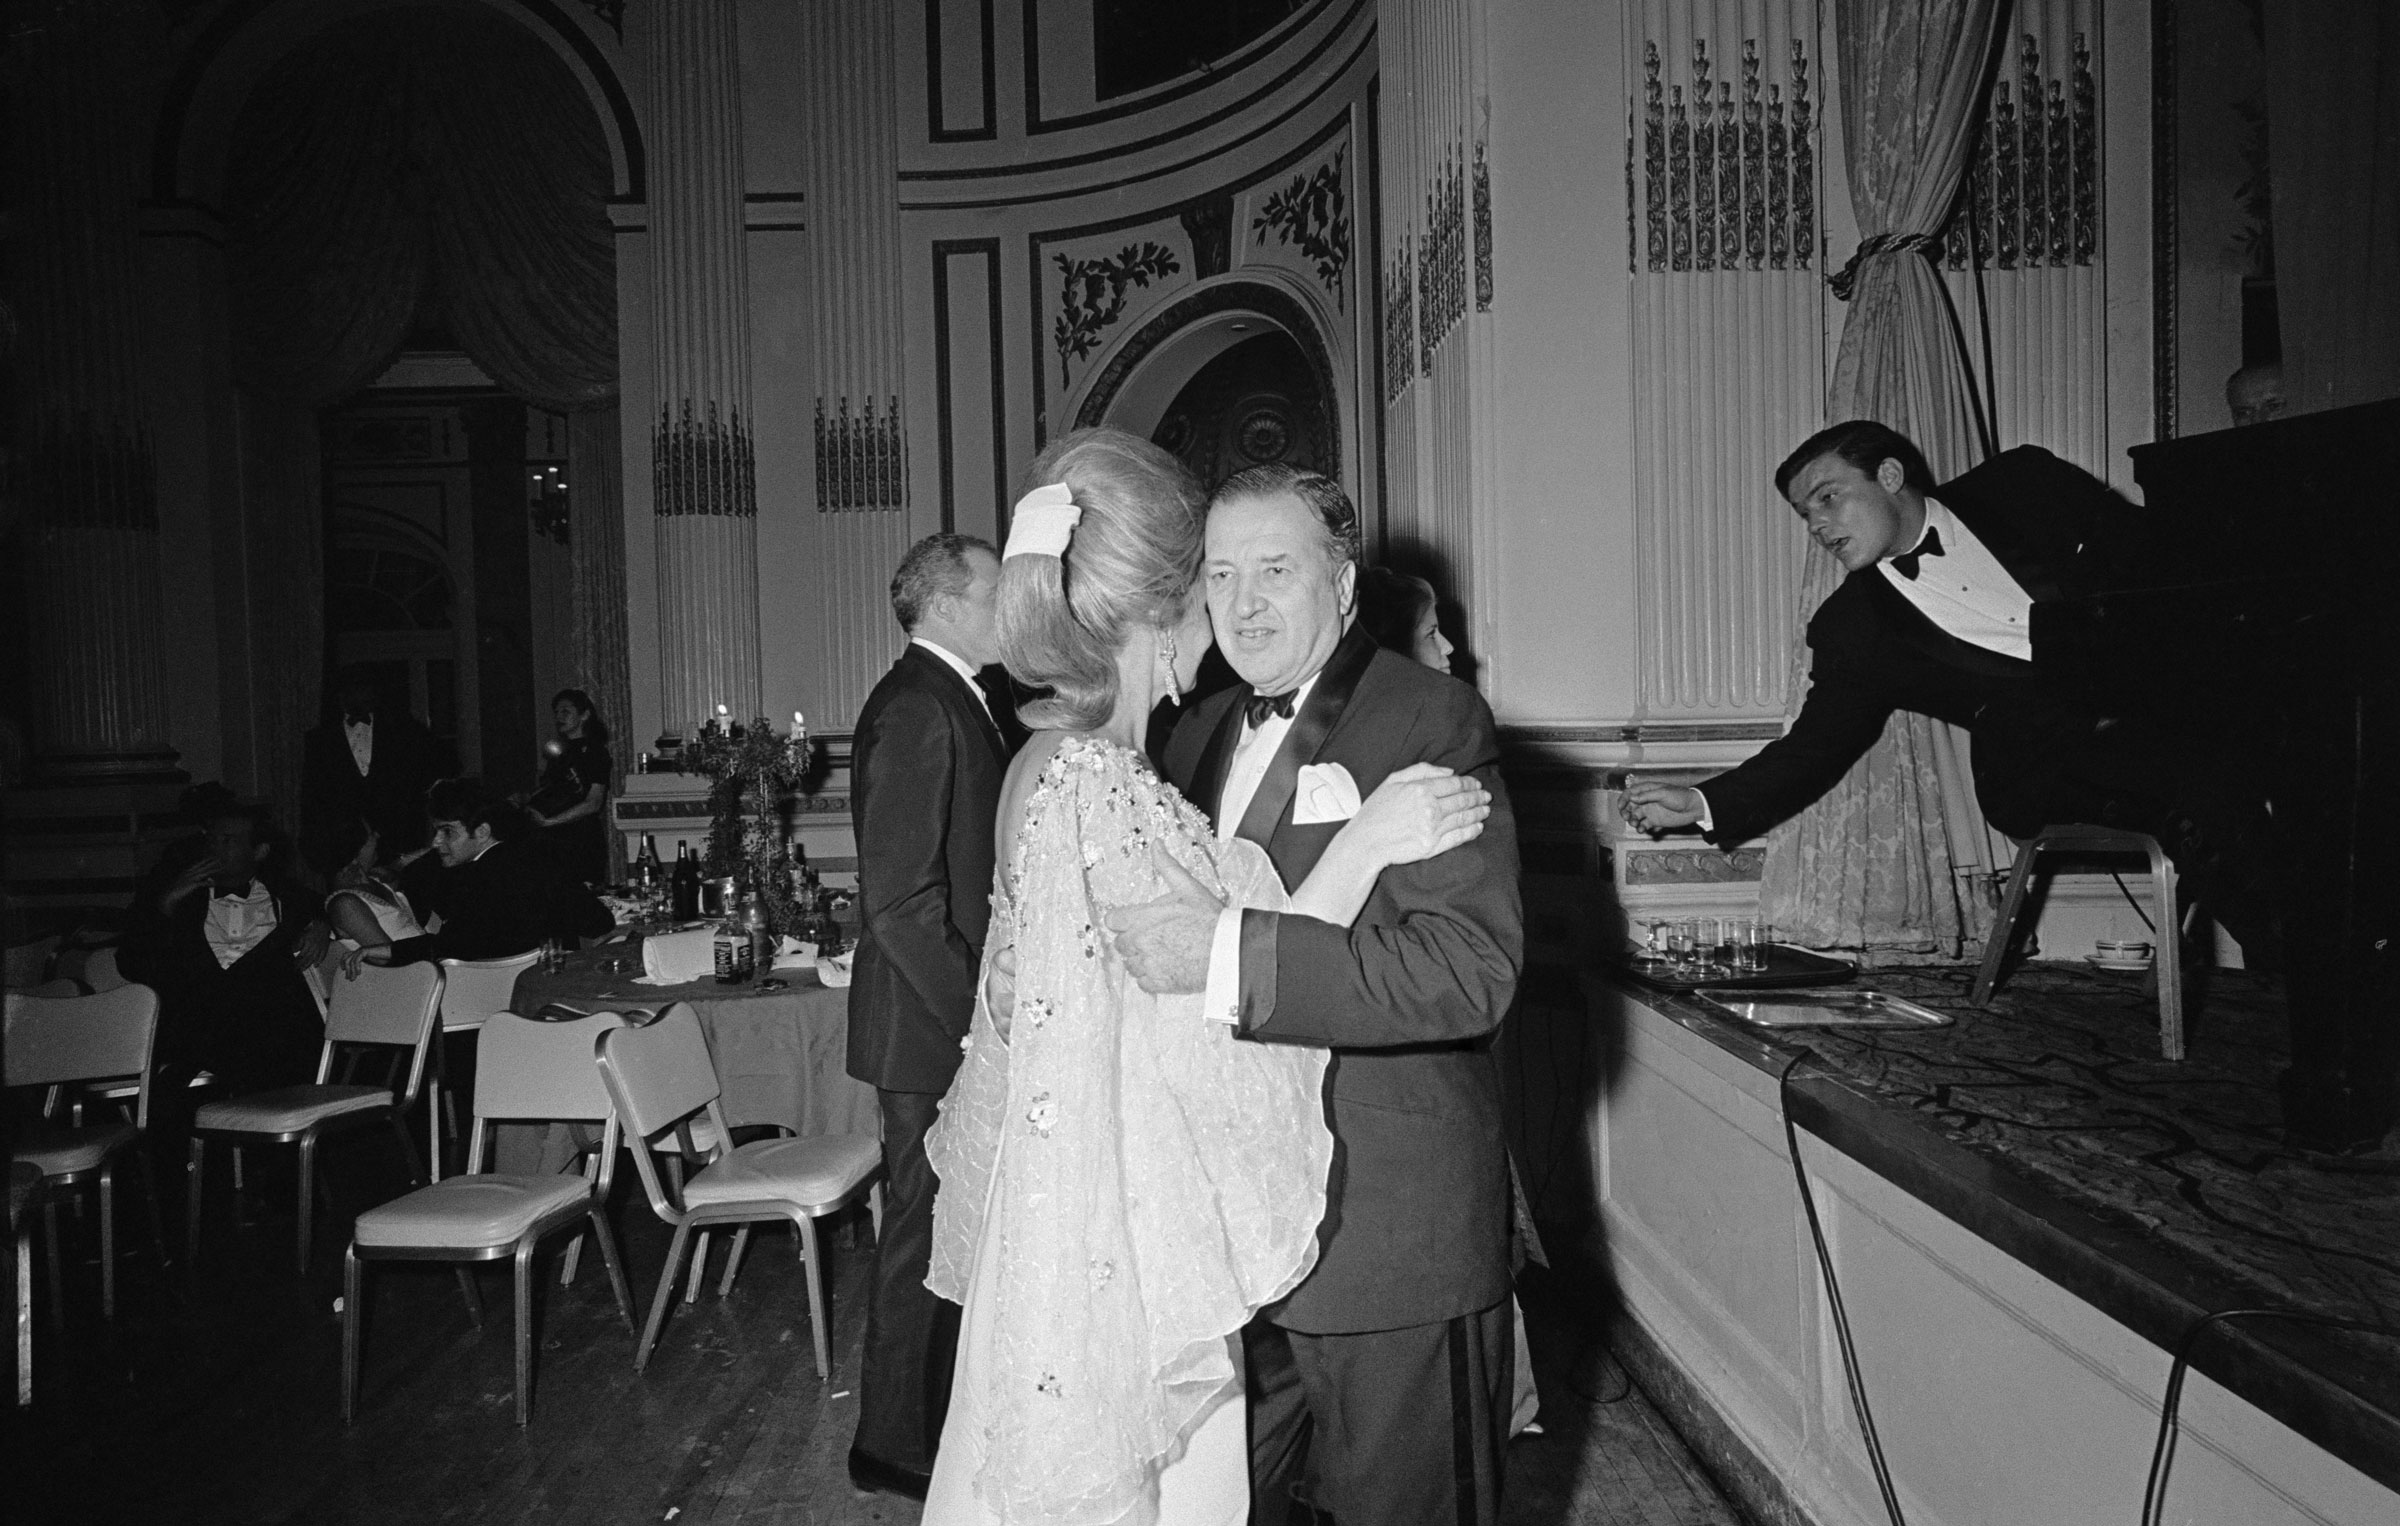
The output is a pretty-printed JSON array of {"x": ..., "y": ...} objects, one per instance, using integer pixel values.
[
  {"x": 1757, "y": 938},
  {"x": 1682, "y": 945},
  {"x": 1724, "y": 943},
  {"x": 1653, "y": 949}
]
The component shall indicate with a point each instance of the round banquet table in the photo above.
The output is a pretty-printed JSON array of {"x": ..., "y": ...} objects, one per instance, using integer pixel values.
[{"x": 780, "y": 1054}]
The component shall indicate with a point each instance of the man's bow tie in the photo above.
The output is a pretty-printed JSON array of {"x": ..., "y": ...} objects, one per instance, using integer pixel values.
[
  {"x": 1259, "y": 706},
  {"x": 1906, "y": 563}
]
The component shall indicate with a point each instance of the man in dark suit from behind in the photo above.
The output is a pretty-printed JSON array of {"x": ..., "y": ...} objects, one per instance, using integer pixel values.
[
  {"x": 496, "y": 893},
  {"x": 1937, "y": 615},
  {"x": 372, "y": 760},
  {"x": 924, "y": 787},
  {"x": 1379, "y": 1389}
]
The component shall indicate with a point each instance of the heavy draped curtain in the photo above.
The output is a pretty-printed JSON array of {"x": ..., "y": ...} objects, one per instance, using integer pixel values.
[
  {"x": 428, "y": 168},
  {"x": 1873, "y": 865}
]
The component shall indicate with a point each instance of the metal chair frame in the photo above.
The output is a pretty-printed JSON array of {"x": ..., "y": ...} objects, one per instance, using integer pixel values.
[
  {"x": 647, "y": 1111},
  {"x": 467, "y": 1000},
  {"x": 348, "y": 1024},
  {"x": 497, "y": 1099},
  {"x": 48, "y": 1044},
  {"x": 2166, "y": 960}
]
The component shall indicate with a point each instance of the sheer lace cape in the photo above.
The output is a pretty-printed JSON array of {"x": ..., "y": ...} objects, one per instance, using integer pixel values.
[{"x": 1149, "y": 1180}]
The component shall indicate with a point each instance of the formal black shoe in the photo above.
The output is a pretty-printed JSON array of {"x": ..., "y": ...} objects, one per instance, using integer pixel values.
[{"x": 870, "y": 1474}]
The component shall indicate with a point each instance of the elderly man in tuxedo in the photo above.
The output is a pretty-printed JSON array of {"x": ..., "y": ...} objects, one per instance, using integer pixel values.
[
  {"x": 1379, "y": 1388},
  {"x": 924, "y": 786},
  {"x": 1936, "y": 615}
]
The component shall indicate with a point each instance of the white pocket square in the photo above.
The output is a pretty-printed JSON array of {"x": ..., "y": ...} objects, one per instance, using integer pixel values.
[{"x": 1326, "y": 792}]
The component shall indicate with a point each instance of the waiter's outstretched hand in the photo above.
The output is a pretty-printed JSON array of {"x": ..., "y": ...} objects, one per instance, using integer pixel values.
[
  {"x": 1657, "y": 808},
  {"x": 1164, "y": 942}
]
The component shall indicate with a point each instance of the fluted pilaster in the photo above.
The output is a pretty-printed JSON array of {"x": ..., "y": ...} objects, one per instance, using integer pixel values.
[
  {"x": 862, "y": 522},
  {"x": 80, "y": 477},
  {"x": 704, "y": 489}
]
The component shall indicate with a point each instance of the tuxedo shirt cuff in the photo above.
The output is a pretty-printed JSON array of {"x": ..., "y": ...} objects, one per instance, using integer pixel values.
[
  {"x": 1708, "y": 818},
  {"x": 1223, "y": 1000}
]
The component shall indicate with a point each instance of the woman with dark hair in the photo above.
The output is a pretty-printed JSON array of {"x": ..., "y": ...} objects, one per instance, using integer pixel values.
[
  {"x": 571, "y": 805},
  {"x": 1400, "y": 612},
  {"x": 366, "y": 907}
]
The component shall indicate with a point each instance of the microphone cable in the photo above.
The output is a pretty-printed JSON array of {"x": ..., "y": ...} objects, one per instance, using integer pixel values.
[
  {"x": 1833, "y": 1296},
  {"x": 2162, "y": 1453}
]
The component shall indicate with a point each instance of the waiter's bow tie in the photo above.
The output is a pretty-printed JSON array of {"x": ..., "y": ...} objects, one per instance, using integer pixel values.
[
  {"x": 1259, "y": 706},
  {"x": 1906, "y": 563}
]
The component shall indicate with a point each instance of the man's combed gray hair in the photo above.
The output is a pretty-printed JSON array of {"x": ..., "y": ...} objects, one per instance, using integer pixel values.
[
  {"x": 1323, "y": 496},
  {"x": 935, "y": 567}
]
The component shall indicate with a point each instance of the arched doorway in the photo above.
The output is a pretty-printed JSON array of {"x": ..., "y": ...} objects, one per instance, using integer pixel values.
[{"x": 1228, "y": 376}]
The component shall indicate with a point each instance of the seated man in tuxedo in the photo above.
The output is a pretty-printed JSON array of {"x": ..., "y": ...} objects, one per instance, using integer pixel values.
[
  {"x": 224, "y": 941},
  {"x": 1936, "y": 616},
  {"x": 496, "y": 893}
]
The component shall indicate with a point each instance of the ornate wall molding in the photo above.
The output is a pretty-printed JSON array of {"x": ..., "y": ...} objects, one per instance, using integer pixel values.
[
  {"x": 1483, "y": 227},
  {"x": 1312, "y": 214},
  {"x": 1690, "y": 866},
  {"x": 1399, "y": 322},
  {"x": 702, "y": 465},
  {"x": 862, "y": 459},
  {"x": 1727, "y": 180},
  {"x": 1092, "y": 292},
  {"x": 1442, "y": 257},
  {"x": 2033, "y": 185}
]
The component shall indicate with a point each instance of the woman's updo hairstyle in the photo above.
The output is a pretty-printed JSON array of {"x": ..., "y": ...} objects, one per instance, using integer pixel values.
[{"x": 1130, "y": 562}]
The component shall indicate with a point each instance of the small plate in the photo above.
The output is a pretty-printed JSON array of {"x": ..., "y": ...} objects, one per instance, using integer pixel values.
[{"x": 2118, "y": 966}]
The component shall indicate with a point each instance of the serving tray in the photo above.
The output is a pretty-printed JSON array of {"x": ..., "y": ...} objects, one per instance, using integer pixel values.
[{"x": 1828, "y": 1009}]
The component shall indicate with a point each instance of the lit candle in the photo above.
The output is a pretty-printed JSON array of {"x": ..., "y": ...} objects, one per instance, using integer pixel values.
[{"x": 799, "y": 724}]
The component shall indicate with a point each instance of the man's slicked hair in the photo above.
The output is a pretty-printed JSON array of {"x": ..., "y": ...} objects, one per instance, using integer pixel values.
[
  {"x": 1866, "y": 445},
  {"x": 935, "y": 568},
  {"x": 1323, "y": 496}
]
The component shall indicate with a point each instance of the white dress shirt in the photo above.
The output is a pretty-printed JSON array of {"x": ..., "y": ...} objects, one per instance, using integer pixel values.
[
  {"x": 958, "y": 665},
  {"x": 239, "y": 923},
  {"x": 1965, "y": 592},
  {"x": 1253, "y": 752},
  {"x": 362, "y": 743}
]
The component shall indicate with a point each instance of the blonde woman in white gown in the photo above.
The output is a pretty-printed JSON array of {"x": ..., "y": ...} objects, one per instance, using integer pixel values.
[{"x": 1123, "y": 1182}]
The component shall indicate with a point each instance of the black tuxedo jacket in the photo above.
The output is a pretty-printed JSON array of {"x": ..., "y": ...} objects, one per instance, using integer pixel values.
[
  {"x": 1408, "y": 997},
  {"x": 2058, "y": 531},
  {"x": 925, "y": 775},
  {"x": 408, "y": 759},
  {"x": 510, "y": 901},
  {"x": 256, "y": 1009}
]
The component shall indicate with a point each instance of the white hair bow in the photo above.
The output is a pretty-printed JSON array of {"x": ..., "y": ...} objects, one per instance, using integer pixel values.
[{"x": 1043, "y": 522}]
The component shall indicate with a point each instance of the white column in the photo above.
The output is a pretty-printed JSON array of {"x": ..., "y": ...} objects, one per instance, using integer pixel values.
[
  {"x": 80, "y": 466},
  {"x": 704, "y": 491}
]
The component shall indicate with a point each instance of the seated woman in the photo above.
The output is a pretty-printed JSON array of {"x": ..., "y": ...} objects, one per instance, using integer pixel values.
[{"x": 366, "y": 908}]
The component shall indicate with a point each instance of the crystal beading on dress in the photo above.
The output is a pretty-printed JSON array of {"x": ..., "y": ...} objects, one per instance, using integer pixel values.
[{"x": 1146, "y": 1180}]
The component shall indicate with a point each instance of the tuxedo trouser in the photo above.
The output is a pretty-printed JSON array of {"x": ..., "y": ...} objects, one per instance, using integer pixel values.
[
  {"x": 912, "y": 1336},
  {"x": 1407, "y": 1425}
]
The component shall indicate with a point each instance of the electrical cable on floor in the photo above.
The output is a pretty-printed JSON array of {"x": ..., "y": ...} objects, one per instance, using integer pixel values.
[
  {"x": 1833, "y": 1295},
  {"x": 2162, "y": 1454}
]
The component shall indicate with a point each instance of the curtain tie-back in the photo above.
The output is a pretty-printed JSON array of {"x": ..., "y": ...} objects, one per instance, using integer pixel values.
[{"x": 1882, "y": 243}]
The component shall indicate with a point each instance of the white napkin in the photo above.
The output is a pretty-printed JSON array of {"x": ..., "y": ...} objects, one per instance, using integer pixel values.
[
  {"x": 835, "y": 972},
  {"x": 1326, "y": 793},
  {"x": 674, "y": 959},
  {"x": 792, "y": 954}
]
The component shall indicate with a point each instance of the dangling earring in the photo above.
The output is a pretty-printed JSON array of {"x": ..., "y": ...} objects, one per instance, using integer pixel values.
[{"x": 1167, "y": 656}]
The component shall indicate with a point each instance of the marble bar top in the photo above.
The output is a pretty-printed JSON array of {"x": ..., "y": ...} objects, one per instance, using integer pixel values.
[{"x": 2155, "y": 1192}]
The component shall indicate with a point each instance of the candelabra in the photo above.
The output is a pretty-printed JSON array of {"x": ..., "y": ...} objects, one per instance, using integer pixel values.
[{"x": 751, "y": 771}]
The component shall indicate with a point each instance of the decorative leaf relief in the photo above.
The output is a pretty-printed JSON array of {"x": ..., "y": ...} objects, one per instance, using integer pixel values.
[
  {"x": 1091, "y": 295},
  {"x": 1312, "y": 214}
]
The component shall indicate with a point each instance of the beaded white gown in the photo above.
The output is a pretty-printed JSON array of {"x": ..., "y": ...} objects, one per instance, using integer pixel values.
[{"x": 1123, "y": 1184}]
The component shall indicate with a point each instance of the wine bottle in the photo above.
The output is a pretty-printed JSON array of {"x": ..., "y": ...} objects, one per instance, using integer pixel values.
[{"x": 685, "y": 891}]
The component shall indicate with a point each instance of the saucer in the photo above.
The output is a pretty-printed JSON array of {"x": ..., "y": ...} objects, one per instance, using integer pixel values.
[{"x": 2118, "y": 966}]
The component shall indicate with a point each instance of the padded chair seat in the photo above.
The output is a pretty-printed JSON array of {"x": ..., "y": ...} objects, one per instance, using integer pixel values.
[
  {"x": 288, "y": 1109},
  {"x": 801, "y": 1171},
  {"x": 72, "y": 1150},
  {"x": 466, "y": 1211}
]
